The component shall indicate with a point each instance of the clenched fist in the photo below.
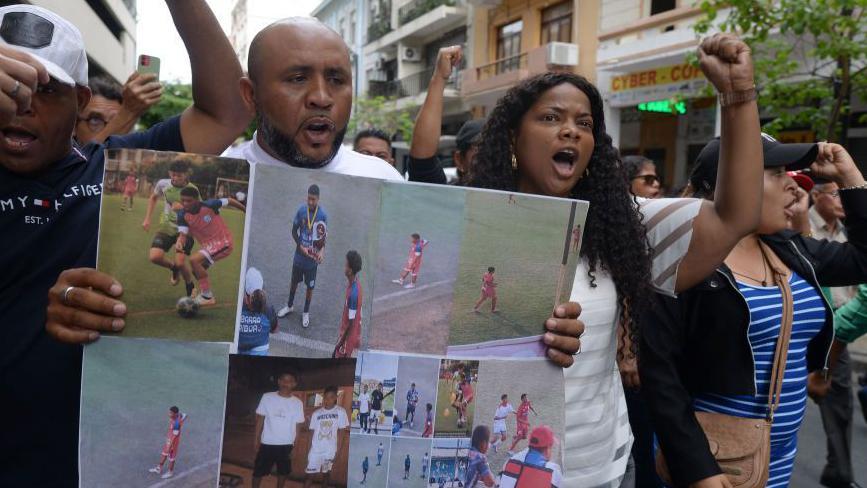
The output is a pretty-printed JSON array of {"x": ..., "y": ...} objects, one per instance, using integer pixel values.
[{"x": 727, "y": 63}]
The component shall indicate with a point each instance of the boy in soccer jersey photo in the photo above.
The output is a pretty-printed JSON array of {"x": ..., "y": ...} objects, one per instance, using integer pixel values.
[
  {"x": 349, "y": 336},
  {"x": 413, "y": 262},
  {"x": 202, "y": 221},
  {"x": 489, "y": 291},
  {"x": 169, "y": 191},
  {"x": 328, "y": 427},
  {"x": 504, "y": 409},
  {"x": 533, "y": 465},
  {"x": 365, "y": 466},
  {"x": 428, "y": 421},
  {"x": 407, "y": 463},
  {"x": 523, "y": 421},
  {"x": 173, "y": 440},
  {"x": 130, "y": 184},
  {"x": 258, "y": 319},
  {"x": 309, "y": 233},
  {"x": 425, "y": 462},
  {"x": 412, "y": 397}
]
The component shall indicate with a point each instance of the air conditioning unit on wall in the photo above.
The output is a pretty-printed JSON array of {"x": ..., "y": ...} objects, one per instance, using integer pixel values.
[
  {"x": 410, "y": 53},
  {"x": 562, "y": 54}
]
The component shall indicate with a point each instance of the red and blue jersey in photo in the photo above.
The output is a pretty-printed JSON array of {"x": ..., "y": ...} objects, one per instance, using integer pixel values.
[
  {"x": 206, "y": 225},
  {"x": 309, "y": 234}
]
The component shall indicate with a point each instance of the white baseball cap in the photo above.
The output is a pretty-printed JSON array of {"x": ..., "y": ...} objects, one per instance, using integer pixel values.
[
  {"x": 49, "y": 38},
  {"x": 253, "y": 281}
]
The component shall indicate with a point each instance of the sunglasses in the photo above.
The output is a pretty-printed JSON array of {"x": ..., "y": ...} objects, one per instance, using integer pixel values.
[{"x": 648, "y": 179}]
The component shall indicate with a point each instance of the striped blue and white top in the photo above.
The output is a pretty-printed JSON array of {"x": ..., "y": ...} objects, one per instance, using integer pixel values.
[{"x": 765, "y": 305}]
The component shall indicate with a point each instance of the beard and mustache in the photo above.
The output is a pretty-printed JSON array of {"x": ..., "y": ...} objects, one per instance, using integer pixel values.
[{"x": 284, "y": 146}]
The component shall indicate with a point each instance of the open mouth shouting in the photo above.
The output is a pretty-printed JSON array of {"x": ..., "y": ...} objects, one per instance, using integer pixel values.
[
  {"x": 318, "y": 131},
  {"x": 564, "y": 161},
  {"x": 16, "y": 139},
  {"x": 789, "y": 209}
]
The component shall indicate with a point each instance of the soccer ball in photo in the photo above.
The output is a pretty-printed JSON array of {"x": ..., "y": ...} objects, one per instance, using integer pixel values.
[{"x": 187, "y": 307}]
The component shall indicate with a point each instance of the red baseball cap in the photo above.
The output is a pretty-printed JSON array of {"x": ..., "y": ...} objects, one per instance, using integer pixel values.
[
  {"x": 802, "y": 180},
  {"x": 542, "y": 437}
]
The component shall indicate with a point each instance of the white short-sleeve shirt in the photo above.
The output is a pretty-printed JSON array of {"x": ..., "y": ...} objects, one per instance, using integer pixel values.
[{"x": 282, "y": 416}]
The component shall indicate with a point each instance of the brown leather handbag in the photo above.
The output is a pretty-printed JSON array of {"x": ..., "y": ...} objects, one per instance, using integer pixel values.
[{"x": 742, "y": 446}]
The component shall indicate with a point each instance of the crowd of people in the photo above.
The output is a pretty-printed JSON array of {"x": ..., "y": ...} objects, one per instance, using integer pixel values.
[{"x": 714, "y": 302}]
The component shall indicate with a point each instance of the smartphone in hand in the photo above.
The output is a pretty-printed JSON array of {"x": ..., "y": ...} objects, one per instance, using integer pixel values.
[{"x": 148, "y": 65}]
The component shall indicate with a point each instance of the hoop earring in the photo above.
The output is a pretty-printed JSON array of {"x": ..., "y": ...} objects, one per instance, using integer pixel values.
[{"x": 514, "y": 162}]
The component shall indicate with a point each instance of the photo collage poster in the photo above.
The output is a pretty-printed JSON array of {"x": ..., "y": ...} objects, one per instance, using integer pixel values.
[{"x": 407, "y": 307}]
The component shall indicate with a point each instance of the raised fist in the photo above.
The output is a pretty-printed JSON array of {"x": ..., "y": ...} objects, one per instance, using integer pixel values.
[
  {"x": 727, "y": 63},
  {"x": 447, "y": 59}
]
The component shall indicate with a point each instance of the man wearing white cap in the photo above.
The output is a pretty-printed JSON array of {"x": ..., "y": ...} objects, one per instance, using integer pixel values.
[
  {"x": 258, "y": 319},
  {"x": 49, "y": 213}
]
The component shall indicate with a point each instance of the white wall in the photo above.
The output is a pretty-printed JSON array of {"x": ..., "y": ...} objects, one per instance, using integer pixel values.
[{"x": 116, "y": 56}]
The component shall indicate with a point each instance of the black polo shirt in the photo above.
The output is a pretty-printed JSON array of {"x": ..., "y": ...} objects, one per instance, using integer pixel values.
[{"x": 49, "y": 223}]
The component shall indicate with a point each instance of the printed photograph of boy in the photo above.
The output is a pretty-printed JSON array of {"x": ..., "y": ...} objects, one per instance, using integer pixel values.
[
  {"x": 286, "y": 421},
  {"x": 419, "y": 239},
  {"x": 456, "y": 392},
  {"x": 416, "y": 387},
  {"x": 374, "y": 392},
  {"x": 407, "y": 466},
  {"x": 368, "y": 460},
  {"x": 190, "y": 231},
  {"x": 152, "y": 412},
  {"x": 511, "y": 409},
  {"x": 500, "y": 297},
  {"x": 312, "y": 235}
]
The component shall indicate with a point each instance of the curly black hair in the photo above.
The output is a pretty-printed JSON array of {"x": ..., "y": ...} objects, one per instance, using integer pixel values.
[{"x": 615, "y": 238}]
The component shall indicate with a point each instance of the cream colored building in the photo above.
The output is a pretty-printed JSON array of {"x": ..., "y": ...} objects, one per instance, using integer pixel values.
[
  {"x": 108, "y": 28},
  {"x": 515, "y": 39},
  {"x": 251, "y": 16}
]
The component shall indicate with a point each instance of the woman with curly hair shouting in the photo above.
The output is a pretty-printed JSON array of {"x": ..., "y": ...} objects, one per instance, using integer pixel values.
[{"x": 547, "y": 136}]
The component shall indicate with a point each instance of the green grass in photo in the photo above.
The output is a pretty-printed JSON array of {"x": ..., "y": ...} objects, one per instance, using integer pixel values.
[
  {"x": 524, "y": 239},
  {"x": 150, "y": 298}
]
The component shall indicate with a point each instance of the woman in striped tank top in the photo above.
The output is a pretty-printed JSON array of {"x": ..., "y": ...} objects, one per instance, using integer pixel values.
[
  {"x": 712, "y": 348},
  {"x": 547, "y": 136}
]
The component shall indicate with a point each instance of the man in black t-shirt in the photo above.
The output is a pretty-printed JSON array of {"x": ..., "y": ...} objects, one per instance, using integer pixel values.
[
  {"x": 376, "y": 399},
  {"x": 49, "y": 216}
]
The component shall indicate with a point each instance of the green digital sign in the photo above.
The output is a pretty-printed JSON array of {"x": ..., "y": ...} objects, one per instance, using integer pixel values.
[{"x": 664, "y": 106}]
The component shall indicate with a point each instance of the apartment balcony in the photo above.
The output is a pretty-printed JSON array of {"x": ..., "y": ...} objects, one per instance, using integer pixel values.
[
  {"x": 420, "y": 22},
  {"x": 649, "y": 38},
  {"x": 484, "y": 84},
  {"x": 411, "y": 90}
]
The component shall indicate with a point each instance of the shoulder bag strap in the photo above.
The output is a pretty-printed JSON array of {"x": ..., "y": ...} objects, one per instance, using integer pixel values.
[{"x": 780, "y": 274}]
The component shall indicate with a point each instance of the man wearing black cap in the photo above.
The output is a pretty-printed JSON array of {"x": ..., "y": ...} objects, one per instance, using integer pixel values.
[
  {"x": 49, "y": 214},
  {"x": 423, "y": 163}
]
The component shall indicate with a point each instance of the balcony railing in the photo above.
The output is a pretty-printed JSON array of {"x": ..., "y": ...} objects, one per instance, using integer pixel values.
[
  {"x": 500, "y": 66},
  {"x": 378, "y": 28},
  {"x": 409, "y": 86},
  {"x": 417, "y": 8}
]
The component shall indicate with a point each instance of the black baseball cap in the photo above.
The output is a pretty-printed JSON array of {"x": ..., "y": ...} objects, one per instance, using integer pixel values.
[
  {"x": 469, "y": 134},
  {"x": 793, "y": 157}
]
